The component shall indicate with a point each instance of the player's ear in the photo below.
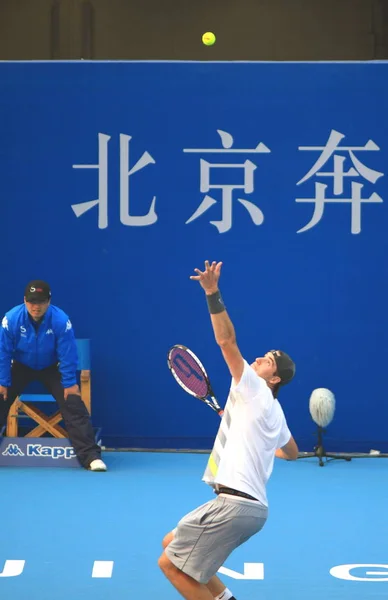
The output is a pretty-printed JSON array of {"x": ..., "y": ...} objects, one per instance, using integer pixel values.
[{"x": 275, "y": 379}]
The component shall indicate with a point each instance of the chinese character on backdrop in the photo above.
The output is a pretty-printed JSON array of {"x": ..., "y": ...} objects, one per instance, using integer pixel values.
[
  {"x": 102, "y": 202},
  {"x": 247, "y": 168},
  {"x": 342, "y": 192}
]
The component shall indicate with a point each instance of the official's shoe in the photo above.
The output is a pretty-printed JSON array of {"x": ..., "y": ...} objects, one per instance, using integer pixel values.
[{"x": 97, "y": 465}]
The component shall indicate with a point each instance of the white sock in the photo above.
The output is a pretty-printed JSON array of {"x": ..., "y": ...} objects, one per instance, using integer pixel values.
[{"x": 225, "y": 595}]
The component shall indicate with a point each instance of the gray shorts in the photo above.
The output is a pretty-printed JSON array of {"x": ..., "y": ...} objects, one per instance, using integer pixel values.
[{"x": 206, "y": 536}]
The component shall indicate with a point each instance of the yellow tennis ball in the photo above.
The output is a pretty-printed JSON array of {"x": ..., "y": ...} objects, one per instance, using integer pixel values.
[{"x": 208, "y": 38}]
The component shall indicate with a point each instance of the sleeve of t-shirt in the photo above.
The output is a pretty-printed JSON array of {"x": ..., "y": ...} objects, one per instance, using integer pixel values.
[
  {"x": 250, "y": 386},
  {"x": 285, "y": 435}
]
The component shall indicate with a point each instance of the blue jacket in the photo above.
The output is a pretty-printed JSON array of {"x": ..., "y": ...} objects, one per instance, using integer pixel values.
[{"x": 53, "y": 343}]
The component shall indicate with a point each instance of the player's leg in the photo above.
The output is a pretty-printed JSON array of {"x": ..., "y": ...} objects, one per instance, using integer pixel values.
[
  {"x": 218, "y": 590},
  {"x": 188, "y": 587},
  {"x": 202, "y": 542}
]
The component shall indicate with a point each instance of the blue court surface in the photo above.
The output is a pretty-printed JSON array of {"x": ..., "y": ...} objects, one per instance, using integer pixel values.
[{"x": 69, "y": 534}]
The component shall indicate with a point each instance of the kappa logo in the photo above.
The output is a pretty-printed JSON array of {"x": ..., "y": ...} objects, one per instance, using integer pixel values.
[
  {"x": 4, "y": 323},
  {"x": 54, "y": 452},
  {"x": 50, "y": 451},
  {"x": 13, "y": 450},
  {"x": 49, "y": 331}
]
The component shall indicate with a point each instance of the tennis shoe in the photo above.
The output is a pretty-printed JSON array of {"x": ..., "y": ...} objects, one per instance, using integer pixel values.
[{"x": 97, "y": 465}]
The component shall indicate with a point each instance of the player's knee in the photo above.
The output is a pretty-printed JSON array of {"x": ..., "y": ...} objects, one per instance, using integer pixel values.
[
  {"x": 167, "y": 539},
  {"x": 165, "y": 564}
]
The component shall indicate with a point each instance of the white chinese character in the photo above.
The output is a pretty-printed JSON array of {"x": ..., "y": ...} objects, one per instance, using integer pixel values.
[
  {"x": 248, "y": 168},
  {"x": 102, "y": 201},
  {"x": 338, "y": 174},
  {"x": 125, "y": 217}
]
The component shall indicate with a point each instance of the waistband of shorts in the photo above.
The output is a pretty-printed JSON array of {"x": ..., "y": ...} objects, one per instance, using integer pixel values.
[{"x": 220, "y": 489}]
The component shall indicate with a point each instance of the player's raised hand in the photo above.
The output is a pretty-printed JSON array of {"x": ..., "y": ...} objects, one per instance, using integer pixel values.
[{"x": 208, "y": 278}]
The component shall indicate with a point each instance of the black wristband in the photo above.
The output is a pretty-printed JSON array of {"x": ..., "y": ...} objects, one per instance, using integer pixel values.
[{"x": 215, "y": 303}]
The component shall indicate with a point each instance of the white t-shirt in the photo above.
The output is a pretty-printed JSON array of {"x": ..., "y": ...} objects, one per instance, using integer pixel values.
[{"x": 257, "y": 428}]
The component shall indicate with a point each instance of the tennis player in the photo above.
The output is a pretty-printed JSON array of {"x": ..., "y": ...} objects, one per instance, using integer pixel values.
[{"x": 253, "y": 430}]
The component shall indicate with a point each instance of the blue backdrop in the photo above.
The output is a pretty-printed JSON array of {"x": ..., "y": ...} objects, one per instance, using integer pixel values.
[{"x": 118, "y": 179}]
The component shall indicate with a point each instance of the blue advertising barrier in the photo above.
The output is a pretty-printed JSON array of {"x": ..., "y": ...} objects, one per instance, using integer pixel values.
[
  {"x": 117, "y": 179},
  {"x": 38, "y": 452}
]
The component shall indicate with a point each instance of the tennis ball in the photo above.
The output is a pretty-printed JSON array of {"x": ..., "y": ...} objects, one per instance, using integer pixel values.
[{"x": 208, "y": 38}]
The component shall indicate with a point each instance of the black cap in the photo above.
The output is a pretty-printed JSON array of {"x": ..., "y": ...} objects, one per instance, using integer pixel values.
[
  {"x": 37, "y": 291},
  {"x": 285, "y": 366}
]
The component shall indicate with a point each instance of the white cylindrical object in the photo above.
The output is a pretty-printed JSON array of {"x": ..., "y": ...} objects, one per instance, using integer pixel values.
[{"x": 322, "y": 406}]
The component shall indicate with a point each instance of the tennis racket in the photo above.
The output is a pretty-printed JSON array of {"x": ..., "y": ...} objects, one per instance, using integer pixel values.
[{"x": 190, "y": 373}]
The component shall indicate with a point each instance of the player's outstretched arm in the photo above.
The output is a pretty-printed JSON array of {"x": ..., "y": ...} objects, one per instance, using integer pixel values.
[{"x": 222, "y": 325}]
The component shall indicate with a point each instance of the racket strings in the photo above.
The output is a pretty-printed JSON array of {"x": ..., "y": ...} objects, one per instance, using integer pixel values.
[{"x": 189, "y": 372}]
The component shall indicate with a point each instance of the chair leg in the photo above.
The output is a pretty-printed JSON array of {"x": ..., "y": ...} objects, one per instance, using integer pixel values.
[
  {"x": 39, "y": 417},
  {"x": 85, "y": 386},
  {"x": 53, "y": 420},
  {"x": 12, "y": 419},
  {"x": 46, "y": 424}
]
